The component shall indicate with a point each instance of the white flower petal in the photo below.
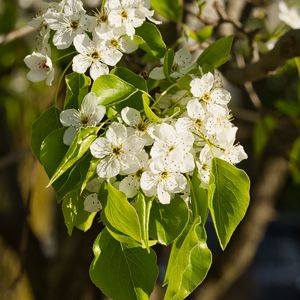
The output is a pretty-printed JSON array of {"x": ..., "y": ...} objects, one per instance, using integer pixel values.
[
  {"x": 108, "y": 167},
  {"x": 131, "y": 116},
  {"x": 82, "y": 43},
  {"x": 91, "y": 203},
  {"x": 195, "y": 110},
  {"x": 69, "y": 135},
  {"x": 163, "y": 196},
  {"x": 98, "y": 69},
  {"x": 70, "y": 117},
  {"x": 203, "y": 85},
  {"x": 157, "y": 73},
  {"x": 130, "y": 185},
  {"x": 116, "y": 133},
  {"x": 220, "y": 96},
  {"x": 81, "y": 63},
  {"x": 101, "y": 148},
  {"x": 148, "y": 181}
]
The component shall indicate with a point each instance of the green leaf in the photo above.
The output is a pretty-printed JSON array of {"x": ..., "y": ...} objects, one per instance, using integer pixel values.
[
  {"x": 167, "y": 221},
  {"x": 199, "y": 198},
  {"x": 262, "y": 131},
  {"x": 81, "y": 144},
  {"x": 168, "y": 63},
  {"x": 295, "y": 161},
  {"x": 148, "y": 111},
  {"x": 131, "y": 77},
  {"x": 204, "y": 33},
  {"x": 112, "y": 90},
  {"x": 169, "y": 9},
  {"x": 90, "y": 173},
  {"x": 74, "y": 214},
  {"x": 123, "y": 271},
  {"x": 216, "y": 54},
  {"x": 42, "y": 127},
  {"x": 121, "y": 215},
  {"x": 228, "y": 198},
  {"x": 150, "y": 40},
  {"x": 77, "y": 87},
  {"x": 189, "y": 262},
  {"x": 52, "y": 152}
]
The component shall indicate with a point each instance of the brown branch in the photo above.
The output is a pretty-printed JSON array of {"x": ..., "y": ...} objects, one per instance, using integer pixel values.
[
  {"x": 286, "y": 48},
  {"x": 243, "y": 247},
  {"x": 18, "y": 33}
]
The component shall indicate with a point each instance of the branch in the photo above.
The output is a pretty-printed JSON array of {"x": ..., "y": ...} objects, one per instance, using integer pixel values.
[
  {"x": 287, "y": 47},
  {"x": 18, "y": 33}
]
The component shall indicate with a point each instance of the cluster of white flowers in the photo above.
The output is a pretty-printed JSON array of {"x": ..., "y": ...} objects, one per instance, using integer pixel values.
[
  {"x": 112, "y": 30},
  {"x": 157, "y": 158}
]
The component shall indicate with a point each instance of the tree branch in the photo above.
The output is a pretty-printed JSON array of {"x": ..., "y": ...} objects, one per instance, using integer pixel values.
[
  {"x": 18, "y": 33},
  {"x": 287, "y": 47}
]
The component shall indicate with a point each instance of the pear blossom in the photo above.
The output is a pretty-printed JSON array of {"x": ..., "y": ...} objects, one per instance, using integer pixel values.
[
  {"x": 118, "y": 152},
  {"x": 40, "y": 66},
  {"x": 130, "y": 185},
  {"x": 91, "y": 202},
  {"x": 289, "y": 15},
  {"x": 139, "y": 127},
  {"x": 215, "y": 99},
  {"x": 122, "y": 14},
  {"x": 89, "y": 114},
  {"x": 195, "y": 120},
  {"x": 183, "y": 62},
  {"x": 174, "y": 147},
  {"x": 69, "y": 23},
  {"x": 162, "y": 180},
  {"x": 94, "y": 55},
  {"x": 112, "y": 40}
]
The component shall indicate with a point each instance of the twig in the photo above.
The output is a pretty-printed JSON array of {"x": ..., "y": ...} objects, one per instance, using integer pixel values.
[
  {"x": 286, "y": 48},
  {"x": 249, "y": 86},
  {"x": 18, "y": 33}
]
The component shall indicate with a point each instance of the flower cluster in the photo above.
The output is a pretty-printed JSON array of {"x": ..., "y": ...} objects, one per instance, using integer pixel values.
[
  {"x": 157, "y": 158},
  {"x": 100, "y": 40}
]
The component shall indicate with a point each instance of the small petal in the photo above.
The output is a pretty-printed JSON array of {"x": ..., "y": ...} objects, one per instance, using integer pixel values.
[
  {"x": 81, "y": 63},
  {"x": 108, "y": 167},
  {"x": 91, "y": 203},
  {"x": 157, "y": 73},
  {"x": 69, "y": 135},
  {"x": 100, "y": 148},
  {"x": 131, "y": 116}
]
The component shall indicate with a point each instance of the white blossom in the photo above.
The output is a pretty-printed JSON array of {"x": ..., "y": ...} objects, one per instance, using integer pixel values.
[
  {"x": 289, "y": 15},
  {"x": 162, "y": 180},
  {"x": 91, "y": 203},
  {"x": 69, "y": 23},
  {"x": 40, "y": 66},
  {"x": 141, "y": 128},
  {"x": 122, "y": 14},
  {"x": 181, "y": 65},
  {"x": 215, "y": 99},
  {"x": 130, "y": 185},
  {"x": 95, "y": 55},
  {"x": 118, "y": 152},
  {"x": 89, "y": 114},
  {"x": 174, "y": 147}
]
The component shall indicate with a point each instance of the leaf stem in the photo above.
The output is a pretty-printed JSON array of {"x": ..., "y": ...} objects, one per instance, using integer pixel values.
[{"x": 60, "y": 81}]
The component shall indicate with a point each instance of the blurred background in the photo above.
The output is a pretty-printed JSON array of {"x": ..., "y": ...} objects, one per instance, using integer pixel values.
[{"x": 39, "y": 261}]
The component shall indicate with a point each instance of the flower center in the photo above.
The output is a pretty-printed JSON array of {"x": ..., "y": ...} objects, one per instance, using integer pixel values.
[
  {"x": 117, "y": 151},
  {"x": 142, "y": 126},
  {"x": 74, "y": 24},
  {"x": 114, "y": 43},
  {"x": 198, "y": 124},
  {"x": 102, "y": 18},
  {"x": 124, "y": 14},
  {"x": 95, "y": 55},
  {"x": 164, "y": 175},
  {"x": 84, "y": 119},
  {"x": 171, "y": 148},
  {"x": 139, "y": 173},
  {"x": 206, "y": 97},
  {"x": 43, "y": 65}
]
